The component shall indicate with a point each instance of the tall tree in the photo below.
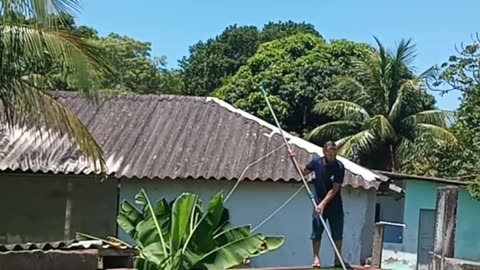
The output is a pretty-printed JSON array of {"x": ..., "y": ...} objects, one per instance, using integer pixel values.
[
  {"x": 212, "y": 62},
  {"x": 278, "y": 30},
  {"x": 135, "y": 69},
  {"x": 380, "y": 131},
  {"x": 25, "y": 48},
  {"x": 296, "y": 71},
  {"x": 460, "y": 73}
]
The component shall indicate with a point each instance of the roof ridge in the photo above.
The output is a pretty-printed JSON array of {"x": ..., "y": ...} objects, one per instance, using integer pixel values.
[{"x": 126, "y": 96}]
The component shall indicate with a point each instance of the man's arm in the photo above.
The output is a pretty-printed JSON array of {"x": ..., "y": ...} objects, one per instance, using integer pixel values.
[
  {"x": 328, "y": 198},
  {"x": 306, "y": 170},
  {"x": 337, "y": 184}
]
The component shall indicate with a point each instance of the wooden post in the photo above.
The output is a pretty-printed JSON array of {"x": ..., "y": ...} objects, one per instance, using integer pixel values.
[
  {"x": 377, "y": 245},
  {"x": 445, "y": 223},
  {"x": 68, "y": 211}
]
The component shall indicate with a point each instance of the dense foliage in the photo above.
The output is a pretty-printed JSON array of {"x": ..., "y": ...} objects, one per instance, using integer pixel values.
[
  {"x": 295, "y": 71},
  {"x": 380, "y": 124},
  {"x": 215, "y": 60},
  {"x": 459, "y": 73}
]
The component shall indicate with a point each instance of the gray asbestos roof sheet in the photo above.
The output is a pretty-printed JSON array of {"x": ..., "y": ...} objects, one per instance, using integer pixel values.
[{"x": 169, "y": 137}]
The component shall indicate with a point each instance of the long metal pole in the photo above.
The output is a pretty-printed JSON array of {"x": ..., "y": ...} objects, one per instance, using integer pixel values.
[{"x": 294, "y": 160}]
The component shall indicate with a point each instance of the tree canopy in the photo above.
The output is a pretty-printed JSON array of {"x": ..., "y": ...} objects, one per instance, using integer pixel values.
[
  {"x": 296, "y": 71},
  {"x": 133, "y": 68},
  {"x": 210, "y": 63},
  {"x": 431, "y": 158},
  {"x": 388, "y": 114}
]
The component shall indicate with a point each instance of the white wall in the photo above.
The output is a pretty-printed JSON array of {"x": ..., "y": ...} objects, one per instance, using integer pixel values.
[
  {"x": 252, "y": 202},
  {"x": 33, "y": 207}
]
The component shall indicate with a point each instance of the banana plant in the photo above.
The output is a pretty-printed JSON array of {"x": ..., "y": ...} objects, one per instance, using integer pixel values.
[{"x": 183, "y": 235}]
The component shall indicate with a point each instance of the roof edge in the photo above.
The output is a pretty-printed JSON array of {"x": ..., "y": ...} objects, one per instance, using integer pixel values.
[
  {"x": 354, "y": 168},
  {"x": 404, "y": 176}
]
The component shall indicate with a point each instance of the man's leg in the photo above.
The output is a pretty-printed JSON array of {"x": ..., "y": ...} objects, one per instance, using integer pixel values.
[
  {"x": 317, "y": 230},
  {"x": 338, "y": 244},
  {"x": 336, "y": 227},
  {"x": 316, "y": 252}
]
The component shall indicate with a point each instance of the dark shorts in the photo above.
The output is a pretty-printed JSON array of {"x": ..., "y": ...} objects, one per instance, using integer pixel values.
[{"x": 335, "y": 221}]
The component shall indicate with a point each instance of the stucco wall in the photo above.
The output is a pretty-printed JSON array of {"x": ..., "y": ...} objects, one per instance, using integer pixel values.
[
  {"x": 252, "y": 202},
  {"x": 467, "y": 238},
  {"x": 422, "y": 195},
  {"x": 33, "y": 207}
]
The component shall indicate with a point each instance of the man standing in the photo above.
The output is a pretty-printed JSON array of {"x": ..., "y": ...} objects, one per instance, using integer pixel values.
[{"x": 329, "y": 174}]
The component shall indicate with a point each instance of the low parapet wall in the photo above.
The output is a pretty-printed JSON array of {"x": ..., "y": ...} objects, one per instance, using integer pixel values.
[{"x": 452, "y": 264}]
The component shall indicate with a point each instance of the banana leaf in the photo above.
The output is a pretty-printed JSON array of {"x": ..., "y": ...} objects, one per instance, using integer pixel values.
[{"x": 184, "y": 235}]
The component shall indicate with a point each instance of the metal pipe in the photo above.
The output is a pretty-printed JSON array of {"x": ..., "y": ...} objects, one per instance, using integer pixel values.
[{"x": 309, "y": 192}]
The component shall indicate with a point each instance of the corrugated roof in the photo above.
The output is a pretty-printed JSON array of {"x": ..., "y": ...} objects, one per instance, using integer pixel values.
[
  {"x": 60, "y": 245},
  {"x": 146, "y": 136}
]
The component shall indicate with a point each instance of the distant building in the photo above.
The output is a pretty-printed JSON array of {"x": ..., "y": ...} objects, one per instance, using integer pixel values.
[{"x": 410, "y": 247}]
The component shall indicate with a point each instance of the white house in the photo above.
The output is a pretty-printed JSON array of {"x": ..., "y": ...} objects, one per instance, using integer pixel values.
[{"x": 173, "y": 144}]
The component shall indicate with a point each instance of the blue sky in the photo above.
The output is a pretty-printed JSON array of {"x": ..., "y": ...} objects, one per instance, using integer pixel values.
[{"x": 172, "y": 26}]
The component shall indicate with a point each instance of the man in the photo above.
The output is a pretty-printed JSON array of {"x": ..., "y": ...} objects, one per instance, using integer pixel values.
[{"x": 329, "y": 174}]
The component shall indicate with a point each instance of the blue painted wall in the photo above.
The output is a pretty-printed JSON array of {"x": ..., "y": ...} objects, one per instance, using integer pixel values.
[
  {"x": 467, "y": 237},
  {"x": 422, "y": 195},
  {"x": 419, "y": 195}
]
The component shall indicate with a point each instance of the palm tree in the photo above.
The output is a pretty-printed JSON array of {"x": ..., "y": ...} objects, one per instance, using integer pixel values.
[
  {"x": 30, "y": 40},
  {"x": 389, "y": 113}
]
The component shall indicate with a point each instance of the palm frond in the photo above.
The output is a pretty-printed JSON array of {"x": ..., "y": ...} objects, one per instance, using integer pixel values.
[
  {"x": 431, "y": 72},
  {"x": 402, "y": 150},
  {"x": 380, "y": 125},
  {"x": 377, "y": 67},
  {"x": 331, "y": 130},
  {"x": 401, "y": 59},
  {"x": 35, "y": 46},
  {"x": 24, "y": 45},
  {"x": 33, "y": 109},
  {"x": 40, "y": 9},
  {"x": 341, "y": 109},
  {"x": 438, "y": 132},
  {"x": 397, "y": 105},
  {"x": 346, "y": 82},
  {"x": 439, "y": 118},
  {"x": 404, "y": 54},
  {"x": 382, "y": 53},
  {"x": 363, "y": 141},
  {"x": 351, "y": 88},
  {"x": 341, "y": 142}
]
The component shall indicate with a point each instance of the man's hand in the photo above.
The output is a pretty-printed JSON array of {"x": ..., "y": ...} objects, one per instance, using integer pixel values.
[
  {"x": 291, "y": 153},
  {"x": 320, "y": 208}
]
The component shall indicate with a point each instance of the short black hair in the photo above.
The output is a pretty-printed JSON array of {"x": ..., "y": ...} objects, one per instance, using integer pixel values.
[{"x": 329, "y": 143}]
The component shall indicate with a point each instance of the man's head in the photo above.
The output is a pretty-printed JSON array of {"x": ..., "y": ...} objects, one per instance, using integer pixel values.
[{"x": 330, "y": 151}]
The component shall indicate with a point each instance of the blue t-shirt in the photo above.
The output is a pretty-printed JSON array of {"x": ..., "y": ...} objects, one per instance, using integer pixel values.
[{"x": 325, "y": 176}]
